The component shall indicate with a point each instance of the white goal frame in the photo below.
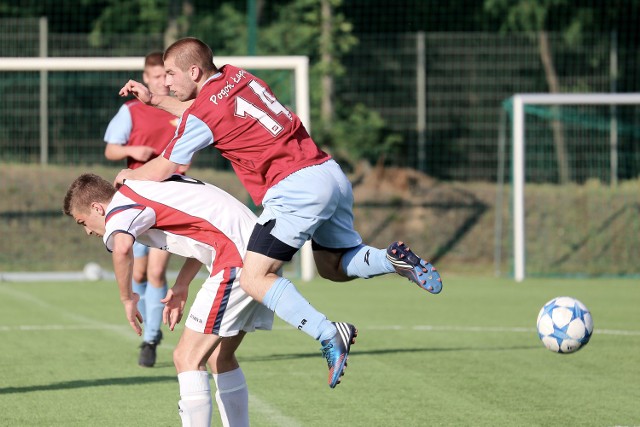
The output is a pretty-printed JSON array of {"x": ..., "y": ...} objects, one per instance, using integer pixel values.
[
  {"x": 520, "y": 100},
  {"x": 298, "y": 64}
]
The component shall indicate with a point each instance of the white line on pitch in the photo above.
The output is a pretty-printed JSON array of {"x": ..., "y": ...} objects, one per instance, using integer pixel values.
[
  {"x": 273, "y": 414},
  {"x": 426, "y": 328}
]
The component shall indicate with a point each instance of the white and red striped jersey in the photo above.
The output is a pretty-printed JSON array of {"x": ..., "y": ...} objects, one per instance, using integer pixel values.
[{"x": 184, "y": 216}]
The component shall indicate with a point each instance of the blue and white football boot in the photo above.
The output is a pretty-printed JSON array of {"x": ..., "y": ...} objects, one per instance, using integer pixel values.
[
  {"x": 414, "y": 268},
  {"x": 336, "y": 350}
]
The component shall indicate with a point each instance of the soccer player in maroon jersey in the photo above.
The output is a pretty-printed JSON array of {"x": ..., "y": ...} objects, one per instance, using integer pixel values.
[
  {"x": 304, "y": 193},
  {"x": 170, "y": 215},
  {"x": 138, "y": 133}
]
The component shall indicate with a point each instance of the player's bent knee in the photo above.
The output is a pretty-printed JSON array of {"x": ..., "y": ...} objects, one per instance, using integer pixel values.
[
  {"x": 333, "y": 274},
  {"x": 185, "y": 360},
  {"x": 245, "y": 284},
  {"x": 139, "y": 277},
  {"x": 328, "y": 263},
  {"x": 157, "y": 277}
]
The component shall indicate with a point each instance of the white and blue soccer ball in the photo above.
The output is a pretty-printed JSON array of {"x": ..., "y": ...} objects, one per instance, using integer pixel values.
[{"x": 564, "y": 325}]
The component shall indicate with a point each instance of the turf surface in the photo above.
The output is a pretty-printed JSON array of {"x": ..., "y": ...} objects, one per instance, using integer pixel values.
[{"x": 467, "y": 357}]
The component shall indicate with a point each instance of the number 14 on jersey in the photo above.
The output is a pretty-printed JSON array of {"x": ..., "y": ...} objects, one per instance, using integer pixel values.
[{"x": 245, "y": 108}]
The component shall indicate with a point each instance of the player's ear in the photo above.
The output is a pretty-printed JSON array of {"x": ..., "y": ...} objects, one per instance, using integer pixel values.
[
  {"x": 98, "y": 208},
  {"x": 195, "y": 72}
]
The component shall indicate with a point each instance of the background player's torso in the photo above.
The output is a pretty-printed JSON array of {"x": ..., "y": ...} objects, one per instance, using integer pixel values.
[{"x": 151, "y": 127}]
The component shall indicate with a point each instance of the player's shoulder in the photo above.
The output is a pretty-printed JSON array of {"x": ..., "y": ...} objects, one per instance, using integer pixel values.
[
  {"x": 133, "y": 103},
  {"x": 141, "y": 109}
]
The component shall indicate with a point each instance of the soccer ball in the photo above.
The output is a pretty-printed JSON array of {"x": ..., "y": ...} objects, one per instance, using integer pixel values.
[
  {"x": 92, "y": 271},
  {"x": 564, "y": 325}
]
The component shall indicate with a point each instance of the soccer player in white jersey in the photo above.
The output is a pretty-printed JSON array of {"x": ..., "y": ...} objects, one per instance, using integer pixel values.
[{"x": 170, "y": 215}]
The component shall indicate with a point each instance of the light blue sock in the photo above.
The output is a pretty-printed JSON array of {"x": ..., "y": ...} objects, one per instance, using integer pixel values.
[
  {"x": 365, "y": 262},
  {"x": 141, "y": 290},
  {"x": 284, "y": 299},
  {"x": 154, "y": 311}
]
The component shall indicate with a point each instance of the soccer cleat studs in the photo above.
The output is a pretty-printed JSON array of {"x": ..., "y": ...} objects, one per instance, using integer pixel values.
[{"x": 409, "y": 265}]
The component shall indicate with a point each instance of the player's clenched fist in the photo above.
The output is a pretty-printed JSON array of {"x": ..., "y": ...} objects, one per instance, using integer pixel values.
[{"x": 136, "y": 89}]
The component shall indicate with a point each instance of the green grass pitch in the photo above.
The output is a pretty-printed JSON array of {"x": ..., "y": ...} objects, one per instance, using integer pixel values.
[{"x": 467, "y": 357}]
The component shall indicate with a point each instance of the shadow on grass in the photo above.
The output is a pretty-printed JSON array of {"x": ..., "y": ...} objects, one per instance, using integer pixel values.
[
  {"x": 356, "y": 353},
  {"x": 66, "y": 385}
]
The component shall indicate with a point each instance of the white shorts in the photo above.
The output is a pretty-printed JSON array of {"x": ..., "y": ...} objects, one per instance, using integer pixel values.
[
  {"x": 222, "y": 308},
  {"x": 316, "y": 203}
]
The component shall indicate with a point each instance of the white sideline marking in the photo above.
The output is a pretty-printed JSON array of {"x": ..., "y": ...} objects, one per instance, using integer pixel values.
[
  {"x": 84, "y": 321},
  {"x": 482, "y": 329},
  {"x": 51, "y": 328},
  {"x": 273, "y": 414}
]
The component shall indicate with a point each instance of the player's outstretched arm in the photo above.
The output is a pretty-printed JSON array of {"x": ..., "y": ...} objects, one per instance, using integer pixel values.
[
  {"x": 177, "y": 296},
  {"x": 122, "y": 256},
  {"x": 136, "y": 89},
  {"x": 157, "y": 169},
  {"x": 167, "y": 103},
  {"x": 170, "y": 104}
]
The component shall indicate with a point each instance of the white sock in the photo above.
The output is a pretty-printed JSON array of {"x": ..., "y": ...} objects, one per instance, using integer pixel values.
[
  {"x": 195, "y": 399},
  {"x": 233, "y": 398}
]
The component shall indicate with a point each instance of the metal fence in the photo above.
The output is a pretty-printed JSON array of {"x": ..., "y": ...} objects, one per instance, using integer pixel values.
[{"x": 439, "y": 93}]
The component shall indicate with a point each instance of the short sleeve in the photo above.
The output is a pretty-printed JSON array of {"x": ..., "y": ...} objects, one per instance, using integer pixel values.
[
  {"x": 190, "y": 137},
  {"x": 119, "y": 129},
  {"x": 132, "y": 218}
]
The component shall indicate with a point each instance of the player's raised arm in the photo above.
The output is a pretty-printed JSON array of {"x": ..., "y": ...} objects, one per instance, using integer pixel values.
[
  {"x": 136, "y": 89},
  {"x": 167, "y": 103}
]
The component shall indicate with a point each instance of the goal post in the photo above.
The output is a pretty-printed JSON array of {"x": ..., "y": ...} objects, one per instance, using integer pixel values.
[
  {"x": 519, "y": 104},
  {"x": 298, "y": 64}
]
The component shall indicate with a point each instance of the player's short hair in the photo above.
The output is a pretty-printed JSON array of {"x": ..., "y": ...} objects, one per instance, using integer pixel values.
[
  {"x": 191, "y": 51},
  {"x": 86, "y": 189},
  {"x": 153, "y": 59}
]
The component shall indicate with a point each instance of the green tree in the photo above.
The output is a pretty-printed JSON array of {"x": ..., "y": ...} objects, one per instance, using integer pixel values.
[
  {"x": 129, "y": 16},
  {"x": 532, "y": 16},
  {"x": 63, "y": 16}
]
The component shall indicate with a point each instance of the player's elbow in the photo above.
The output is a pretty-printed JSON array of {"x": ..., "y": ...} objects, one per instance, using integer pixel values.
[
  {"x": 123, "y": 246},
  {"x": 111, "y": 153},
  {"x": 122, "y": 251}
]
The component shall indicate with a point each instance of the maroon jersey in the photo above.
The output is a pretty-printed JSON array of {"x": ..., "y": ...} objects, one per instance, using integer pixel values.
[
  {"x": 238, "y": 114},
  {"x": 140, "y": 124}
]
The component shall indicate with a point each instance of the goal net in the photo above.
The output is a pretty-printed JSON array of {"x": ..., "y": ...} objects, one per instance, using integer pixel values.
[
  {"x": 56, "y": 110},
  {"x": 574, "y": 185}
]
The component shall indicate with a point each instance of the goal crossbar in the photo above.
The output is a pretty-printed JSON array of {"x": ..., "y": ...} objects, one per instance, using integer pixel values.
[
  {"x": 519, "y": 102},
  {"x": 299, "y": 65}
]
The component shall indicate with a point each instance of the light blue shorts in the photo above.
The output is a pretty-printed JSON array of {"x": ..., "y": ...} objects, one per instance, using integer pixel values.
[
  {"x": 313, "y": 203},
  {"x": 140, "y": 250}
]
